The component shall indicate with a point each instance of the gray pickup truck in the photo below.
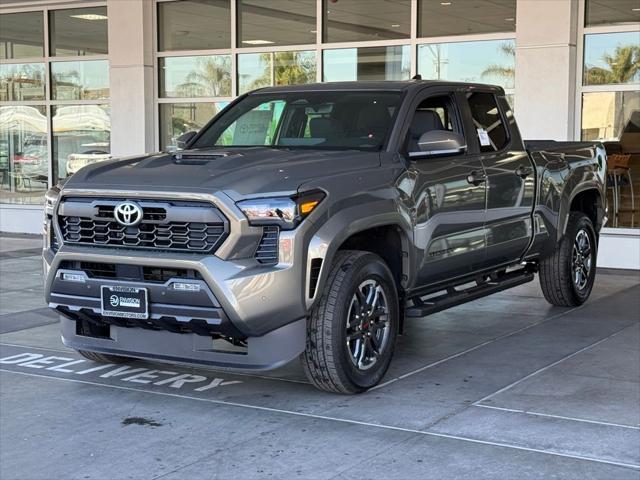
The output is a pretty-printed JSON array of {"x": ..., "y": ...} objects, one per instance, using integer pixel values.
[{"x": 311, "y": 221}]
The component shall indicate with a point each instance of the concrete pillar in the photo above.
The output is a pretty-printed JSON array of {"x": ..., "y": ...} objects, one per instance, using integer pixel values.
[
  {"x": 546, "y": 37},
  {"x": 131, "y": 76}
]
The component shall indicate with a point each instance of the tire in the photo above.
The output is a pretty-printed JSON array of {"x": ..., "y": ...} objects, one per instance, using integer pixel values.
[
  {"x": 103, "y": 357},
  {"x": 332, "y": 361},
  {"x": 558, "y": 278}
]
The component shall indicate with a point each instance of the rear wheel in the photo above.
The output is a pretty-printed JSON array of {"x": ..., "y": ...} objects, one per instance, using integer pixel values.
[
  {"x": 352, "y": 331},
  {"x": 103, "y": 357},
  {"x": 567, "y": 276}
]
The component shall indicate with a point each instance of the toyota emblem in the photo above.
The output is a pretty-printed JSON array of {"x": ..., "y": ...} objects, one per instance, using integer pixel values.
[{"x": 128, "y": 213}]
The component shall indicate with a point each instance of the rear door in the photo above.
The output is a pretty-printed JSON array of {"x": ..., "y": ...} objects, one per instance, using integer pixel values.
[
  {"x": 510, "y": 177},
  {"x": 448, "y": 195}
]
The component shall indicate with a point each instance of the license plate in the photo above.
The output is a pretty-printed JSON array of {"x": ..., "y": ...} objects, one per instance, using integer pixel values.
[{"x": 124, "y": 302}]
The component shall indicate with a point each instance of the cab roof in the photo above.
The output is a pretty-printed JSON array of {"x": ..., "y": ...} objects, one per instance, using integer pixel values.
[{"x": 387, "y": 85}]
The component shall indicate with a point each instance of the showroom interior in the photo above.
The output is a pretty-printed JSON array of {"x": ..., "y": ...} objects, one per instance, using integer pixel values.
[{"x": 82, "y": 81}]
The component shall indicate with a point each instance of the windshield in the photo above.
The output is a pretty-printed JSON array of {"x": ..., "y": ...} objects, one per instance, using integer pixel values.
[{"x": 321, "y": 119}]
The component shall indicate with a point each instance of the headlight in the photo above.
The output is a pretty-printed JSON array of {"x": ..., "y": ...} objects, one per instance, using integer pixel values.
[{"x": 286, "y": 212}]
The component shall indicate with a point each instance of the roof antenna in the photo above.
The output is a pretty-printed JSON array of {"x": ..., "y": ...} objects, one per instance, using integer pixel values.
[{"x": 417, "y": 77}]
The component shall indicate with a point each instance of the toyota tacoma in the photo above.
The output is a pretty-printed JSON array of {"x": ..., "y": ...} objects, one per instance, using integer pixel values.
[{"x": 311, "y": 221}]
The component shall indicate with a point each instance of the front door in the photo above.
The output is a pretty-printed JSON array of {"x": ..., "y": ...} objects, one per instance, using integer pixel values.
[{"x": 448, "y": 197}]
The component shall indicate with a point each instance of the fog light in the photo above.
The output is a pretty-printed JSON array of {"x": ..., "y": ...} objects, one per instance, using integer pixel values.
[
  {"x": 186, "y": 287},
  {"x": 73, "y": 277}
]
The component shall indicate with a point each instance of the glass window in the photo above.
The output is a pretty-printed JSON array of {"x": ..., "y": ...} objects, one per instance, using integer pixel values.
[
  {"x": 605, "y": 115},
  {"x": 190, "y": 77},
  {"x": 22, "y": 35},
  {"x": 24, "y": 165},
  {"x": 361, "y": 20},
  {"x": 22, "y": 81},
  {"x": 194, "y": 25},
  {"x": 437, "y": 19},
  {"x": 612, "y": 58},
  {"x": 78, "y": 31},
  {"x": 179, "y": 118},
  {"x": 370, "y": 63},
  {"x": 276, "y": 22},
  {"x": 434, "y": 113},
  {"x": 601, "y": 12},
  {"x": 85, "y": 80},
  {"x": 256, "y": 127},
  {"x": 254, "y": 71},
  {"x": 492, "y": 134},
  {"x": 257, "y": 70},
  {"x": 490, "y": 61},
  {"x": 303, "y": 119},
  {"x": 81, "y": 135},
  {"x": 292, "y": 68}
]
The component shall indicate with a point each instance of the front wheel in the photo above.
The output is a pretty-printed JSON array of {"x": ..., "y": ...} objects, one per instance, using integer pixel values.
[
  {"x": 352, "y": 331},
  {"x": 567, "y": 276}
]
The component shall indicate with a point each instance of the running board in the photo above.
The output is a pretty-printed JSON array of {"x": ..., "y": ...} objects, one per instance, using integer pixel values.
[{"x": 453, "y": 297}]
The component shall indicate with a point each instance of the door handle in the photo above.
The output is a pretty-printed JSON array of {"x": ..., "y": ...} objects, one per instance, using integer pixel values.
[
  {"x": 523, "y": 171},
  {"x": 475, "y": 178}
]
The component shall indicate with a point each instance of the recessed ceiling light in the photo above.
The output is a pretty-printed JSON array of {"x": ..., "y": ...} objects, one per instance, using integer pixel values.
[
  {"x": 395, "y": 25},
  {"x": 90, "y": 16},
  {"x": 635, "y": 9},
  {"x": 446, "y": 4},
  {"x": 257, "y": 42},
  {"x": 313, "y": 31},
  {"x": 509, "y": 19}
]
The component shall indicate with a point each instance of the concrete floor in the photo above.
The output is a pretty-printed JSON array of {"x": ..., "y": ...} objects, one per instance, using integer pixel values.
[{"x": 505, "y": 387}]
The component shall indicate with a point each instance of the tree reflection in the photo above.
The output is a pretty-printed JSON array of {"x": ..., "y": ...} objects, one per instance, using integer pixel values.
[
  {"x": 623, "y": 66},
  {"x": 505, "y": 72},
  {"x": 210, "y": 78}
]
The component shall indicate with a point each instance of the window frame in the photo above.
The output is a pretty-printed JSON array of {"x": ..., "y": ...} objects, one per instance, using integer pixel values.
[
  {"x": 48, "y": 102},
  {"x": 472, "y": 128},
  {"x": 580, "y": 88}
]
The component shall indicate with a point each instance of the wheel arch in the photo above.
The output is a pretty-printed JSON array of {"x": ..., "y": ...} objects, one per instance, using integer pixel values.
[
  {"x": 384, "y": 236},
  {"x": 589, "y": 201}
]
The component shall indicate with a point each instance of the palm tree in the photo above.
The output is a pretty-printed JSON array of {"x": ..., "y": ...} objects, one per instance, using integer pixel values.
[
  {"x": 212, "y": 78},
  {"x": 508, "y": 73},
  {"x": 622, "y": 67}
]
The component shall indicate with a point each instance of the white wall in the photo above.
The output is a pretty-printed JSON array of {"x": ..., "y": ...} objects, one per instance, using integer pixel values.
[
  {"x": 131, "y": 76},
  {"x": 21, "y": 218},
  {"x": 619, "y": 248},
  {"x": 546, "y": 68}
]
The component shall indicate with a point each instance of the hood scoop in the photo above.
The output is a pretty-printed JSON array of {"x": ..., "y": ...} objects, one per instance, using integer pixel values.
[{"x": 197, "y": 158}]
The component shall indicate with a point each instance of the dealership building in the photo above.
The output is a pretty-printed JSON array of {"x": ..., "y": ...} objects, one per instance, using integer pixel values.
[{"x": 83, "y": 81}]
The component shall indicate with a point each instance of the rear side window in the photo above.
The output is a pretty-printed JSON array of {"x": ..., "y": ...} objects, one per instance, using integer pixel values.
[{"x": 492, "y": 134}]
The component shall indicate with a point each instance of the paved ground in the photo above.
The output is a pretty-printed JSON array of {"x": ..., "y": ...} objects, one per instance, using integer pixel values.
[{"x": 505, "y": 387}]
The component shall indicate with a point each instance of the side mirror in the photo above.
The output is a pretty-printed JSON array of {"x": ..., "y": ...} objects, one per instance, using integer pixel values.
[
  {"x": 439, "y": 142},
  {"x": 184, "y": 139}
]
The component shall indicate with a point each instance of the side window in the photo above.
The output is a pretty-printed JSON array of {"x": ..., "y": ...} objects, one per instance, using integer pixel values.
[
  {"x": 434, "y": 113},
  {"x": 492, "y": 134},
  {"x": 255, "y": 127}
]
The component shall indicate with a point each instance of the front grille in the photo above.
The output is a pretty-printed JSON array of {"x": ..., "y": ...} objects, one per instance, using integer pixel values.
[
  {"x": 267, "y": 251},
  {"x": 196, "y": 227}
]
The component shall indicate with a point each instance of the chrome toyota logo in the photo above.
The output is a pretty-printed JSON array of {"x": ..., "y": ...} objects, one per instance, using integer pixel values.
[{"x": 128, "y": 213}]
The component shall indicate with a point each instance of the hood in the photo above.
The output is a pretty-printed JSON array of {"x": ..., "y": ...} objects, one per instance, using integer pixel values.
[{"x": 240, "y": 171}]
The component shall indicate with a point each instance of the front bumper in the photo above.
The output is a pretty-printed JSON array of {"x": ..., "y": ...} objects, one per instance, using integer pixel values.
[{"x": 263, "y": 307}]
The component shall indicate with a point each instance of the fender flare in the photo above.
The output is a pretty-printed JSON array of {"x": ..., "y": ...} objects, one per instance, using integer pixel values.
[{"x": 326, "y": 241}]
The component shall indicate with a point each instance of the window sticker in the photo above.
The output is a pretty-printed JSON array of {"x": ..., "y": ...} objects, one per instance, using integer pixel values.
[{"x": 485, "y": 141}]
